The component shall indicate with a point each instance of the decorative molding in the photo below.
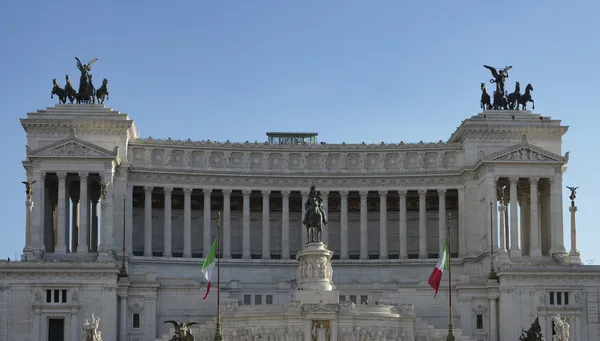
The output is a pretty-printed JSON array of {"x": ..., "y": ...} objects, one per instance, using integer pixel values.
[{"x": 74, "y": 147}]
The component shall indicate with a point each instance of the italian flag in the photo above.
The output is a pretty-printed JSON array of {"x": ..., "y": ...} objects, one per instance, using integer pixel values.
[
  {"x": 442, "y": 264},
  {"x": 208, "y": 268}
]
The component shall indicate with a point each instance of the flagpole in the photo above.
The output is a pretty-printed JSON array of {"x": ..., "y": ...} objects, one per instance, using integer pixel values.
[
  {"x": 450, "y": 336},
  {"x": 219, "y": 331}
]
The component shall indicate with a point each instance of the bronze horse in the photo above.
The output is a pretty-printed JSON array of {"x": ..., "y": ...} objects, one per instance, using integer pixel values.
[
  {"x": 513, "y": 98},
  {"x": 71, "y": 92},
  {"x": 58, "y": 91},
  {"x": 102, "y": 92},
  {"x": 534, "y": 333},
  {"x": 486, "y": 103},
  {"x": 526, "y": 97}
]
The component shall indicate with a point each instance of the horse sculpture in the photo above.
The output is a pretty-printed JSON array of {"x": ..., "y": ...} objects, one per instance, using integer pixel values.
[
  {"x": 513, "y": 98},
  {"x": 314, "y": 218},
  {"x": 486, "y": 103},
  {"x": 526, "y": 97},
  {"x": 102, "y": 93},
  {"x": 71, "y": 92},
  {"x": 182, "y": 331},
  {"x": 58, "y": 91},
  {"x": 534, "y": 333}
]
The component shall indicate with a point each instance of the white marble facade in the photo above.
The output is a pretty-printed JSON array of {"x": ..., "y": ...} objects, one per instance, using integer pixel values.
[{"x": 98, "y": 182}]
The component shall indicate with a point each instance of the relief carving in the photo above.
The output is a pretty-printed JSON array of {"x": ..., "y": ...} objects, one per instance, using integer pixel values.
[{"x": 524, "y": 154}]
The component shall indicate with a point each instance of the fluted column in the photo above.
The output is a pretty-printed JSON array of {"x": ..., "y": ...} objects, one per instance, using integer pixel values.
[
  {"x": 442, "y": 224},
  {"x": 383, "y": 235},
  {"x": 364, "y": 232},
  {"x": 226, "y": 223},
  {"x": 61, "y": 225},
  {"x": 501, "y": 211},
  {"x": 325, "y": 233},
  {"x": 423, "y": 224},
  {"x": 515, "y": 252},
  {"x": 39, "y": 211},
  {"x": 302, "y": 227},
  {"x": 462, "y": 233},
  {"x": 84, "y": 219},
  {"x": 148, "y": 221},
  {"x": 75, "y": 224},
  {"x": 187, "y": 222},
  {"x": 525, "y": 222},
  {"x": 535, "y": 250},
  {"x": 167, "y": 224},
  {"x": 285, "y": 224},
  {"x": 556, "y": 221},
  {"x": 266, "y": 225},
  {"x": 94, "y": 238},
  {"x": 402, "y": 222},
  {"x": 207, "y": 220},
  {"x": 246, "y": 224},
  {"x": 129, "y": 220},
  {"x": 344, "y": 225}
]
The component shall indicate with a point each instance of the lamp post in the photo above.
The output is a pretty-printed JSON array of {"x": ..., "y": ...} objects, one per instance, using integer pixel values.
[{"x": 450, "y": 336}]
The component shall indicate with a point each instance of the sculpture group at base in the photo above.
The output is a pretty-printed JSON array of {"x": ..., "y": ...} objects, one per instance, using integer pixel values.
[
  {"x": 534, "y": 333},
  {"x": 90, "y": 329},
  {"x": 182, "y": 331},
  {"x": 87, "y": 94},
  {"x": 502, "y": 100},
  {"x": 314, "y": 216}
]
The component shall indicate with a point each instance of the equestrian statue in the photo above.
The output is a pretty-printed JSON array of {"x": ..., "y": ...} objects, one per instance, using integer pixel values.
[
  {"x": 501, "y": 99},
  {"x": 87, "y": 93},
  {"x": 314, "y": 216},
  {"x": 182, "y": 331}
]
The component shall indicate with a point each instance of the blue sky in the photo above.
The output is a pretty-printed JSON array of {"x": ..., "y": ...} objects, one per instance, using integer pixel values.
[{"x": 354, "y": 71}]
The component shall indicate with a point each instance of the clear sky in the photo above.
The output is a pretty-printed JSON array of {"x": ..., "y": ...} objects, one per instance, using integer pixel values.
[{"x": 352, "y": 70}]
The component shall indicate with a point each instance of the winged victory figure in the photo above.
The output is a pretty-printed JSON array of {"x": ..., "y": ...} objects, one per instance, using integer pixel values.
[
  {"x": 500, "y": 75},
  {"x": 85, "y": 73},
  {"x": 182, "y": 331}
]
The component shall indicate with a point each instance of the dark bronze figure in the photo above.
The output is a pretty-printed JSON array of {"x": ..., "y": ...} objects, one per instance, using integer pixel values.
[
  {"x": 182, "y": 331},
  {"x": 102, "y": 93},
  {"x": 314, "y": 217},
  {"x": 513, "y": 98},
  {"x": 58, "y": 91},
  {"x": 71, "y": 93},
  {"x": 573, "y": 194},
  {"x": 534, "y": 333},
  {"x": 486, "y": 103},
  {"x": 500, "y": 76},
  {"x": 28, "y": 188},
  {"x": 502, "y": 100},
  {"x": 526, "y": 97}
]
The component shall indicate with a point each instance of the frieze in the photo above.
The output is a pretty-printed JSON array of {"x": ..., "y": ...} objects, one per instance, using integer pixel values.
[
  {"x": 357, "y": 333},
  {"x": 216, "y": 181},
  {"x": 513, "y": 131}
]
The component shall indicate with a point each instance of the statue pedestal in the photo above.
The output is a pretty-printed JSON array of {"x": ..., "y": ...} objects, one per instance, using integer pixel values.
[{"x": 314, "y": 275}]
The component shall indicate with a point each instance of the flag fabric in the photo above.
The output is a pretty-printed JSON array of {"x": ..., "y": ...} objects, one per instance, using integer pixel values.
[
  {"x": 208, "y": 267},
  {"x": 438, "y": 271}
]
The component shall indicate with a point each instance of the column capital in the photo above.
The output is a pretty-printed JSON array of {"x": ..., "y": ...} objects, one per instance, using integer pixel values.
[
  {"x": 246, "y": 192},
  {"x": 383, "y": 193},
  {"x": 148, "y": 189},
  {"x": 534, "y": 180},
  {"x": 513, "y": 179},
  {"x": 188, "y": 191},
  {"x": 226, "y": 192},
  {"x": 402, "y": 192},
  {"x": 61, "y": 175},
  {"x": 286, "y": 193},
  {"x": 83, "y": 176},
  {"x": 363, "y": 193},
  {"x": 422, "y": 192},
  {"x": 497, "y": 178},
  {"x": 168, "y": 190},
  {"x": 207, "y": 191},
  {"x": 324, "y": 193},
  {"x": 265, "y": 193},
  {"x": 344, "y": 194},
  {"x": 441, "y": 191}
]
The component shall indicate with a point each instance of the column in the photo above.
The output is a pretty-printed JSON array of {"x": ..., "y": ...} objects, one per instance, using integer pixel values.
[
  {"x": 123, "y": 317},
  {"x": 61, "y": 247},
  {"x": 573, "y": 254},
  {"x": 462, "y": 230},
  {"x": 266, "y": 225},
  {"x": 535, "y": 250},
  {"x": 94, "y": 246},
  {"x": 525, "y": 222},
  {"x": 226, "y": 223},
  {"x": 556, "y": 203},
  {"x": 246, "y": 225},
  {"x": 39, "y": 211},
  {"x": 501, "y": 211},
  {"x": 515, "y": 252},
  {"x": 302, "y": 228},
  {"x": 28, "y": 229},
  {"x": 84, "y": 220},
  {"x": 129, "y": 220},
  {"x": 148, "y": 221},
  {"x": 107, "y": 238},
  {"x": 75, "y": 224},
  {"x": 383, "y": 237},
  {"x": 167, "y": 225},
  {"x": 364, "y": 232},
  {"x": 207, "y": 219},
  {"x": 187, "y": 222},
  {"x": 344, "y": 225},
  {"x": 325, "y": 233},
  {"x": 403, "y": 227},
  {"x": 67, "y": 213},
  {"x": 285, "y": 224},
  {"x": 423, "y": 224},
  {"x": 442, "y": 224},
  {"x": 493, "y": 320}
]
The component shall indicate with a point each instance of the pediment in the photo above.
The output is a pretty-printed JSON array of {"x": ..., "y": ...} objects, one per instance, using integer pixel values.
[
  {"x": 73, "y": 147},
  {"x": 320, "y": 309},
  {"x": 526, "y": 152}
]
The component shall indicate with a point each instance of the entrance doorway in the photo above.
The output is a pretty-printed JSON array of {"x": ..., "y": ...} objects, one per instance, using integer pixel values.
[{"x": 56, "y": 329}]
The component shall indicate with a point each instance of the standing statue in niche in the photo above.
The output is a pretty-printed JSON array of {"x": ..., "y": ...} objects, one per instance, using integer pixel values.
[{"x": 314, "y": 217}]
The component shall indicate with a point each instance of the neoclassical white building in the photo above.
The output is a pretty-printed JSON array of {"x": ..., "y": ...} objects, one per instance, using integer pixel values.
[{"x": 100, "y": 188}]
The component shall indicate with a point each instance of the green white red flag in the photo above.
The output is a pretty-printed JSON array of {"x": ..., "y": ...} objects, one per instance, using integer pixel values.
[
  {"x": 442, "y": 264},
  {"x": 209, "y": 265}
]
